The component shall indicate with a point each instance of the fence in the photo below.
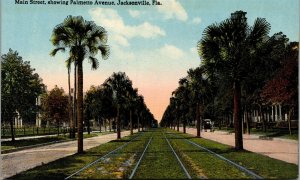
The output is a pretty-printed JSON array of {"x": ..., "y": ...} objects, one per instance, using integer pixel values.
[{"x": 32, "y": 131}]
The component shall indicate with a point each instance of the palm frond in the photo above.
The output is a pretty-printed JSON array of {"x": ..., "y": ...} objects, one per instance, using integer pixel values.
[
  {"x": 105, "y": 51},
  {"x": 54, "y": 51},
  {"x": 94, "y": 61}
]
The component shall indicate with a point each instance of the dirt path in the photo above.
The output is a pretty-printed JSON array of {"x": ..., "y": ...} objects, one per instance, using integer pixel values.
[
  {"x": 285, "y": 150},
  {"x": 16, "y": 162}
]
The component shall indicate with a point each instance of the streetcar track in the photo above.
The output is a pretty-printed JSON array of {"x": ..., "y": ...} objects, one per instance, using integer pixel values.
[
  {"x": 181, "y": 164},
  {"x": 242, "y": 168},
  {"x": 102, "y": 157},
  {"x": 141, "y": 157}
]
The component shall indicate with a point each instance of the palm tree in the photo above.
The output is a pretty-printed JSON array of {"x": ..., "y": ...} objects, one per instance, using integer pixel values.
[
  {"x": 84, "y": 39},
  {"x": 131, "y": 98},
  {"x": 70, "y": 109},
  {"x": 200, "y": 92},
  {"x": 119, "y": 84},
  {"x": 228, "y": 46}
]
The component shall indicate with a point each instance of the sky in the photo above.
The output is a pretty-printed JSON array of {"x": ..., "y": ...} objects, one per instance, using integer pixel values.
[{"x": 154, "y": 45}]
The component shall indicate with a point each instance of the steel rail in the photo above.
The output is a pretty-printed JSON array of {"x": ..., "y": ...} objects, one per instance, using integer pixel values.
[
  {"x": 223, "y": 158},
  {"x": 138, "y": 163},
  {"x": 181, "y": 164},
  {"x": 101, "y": 158}
]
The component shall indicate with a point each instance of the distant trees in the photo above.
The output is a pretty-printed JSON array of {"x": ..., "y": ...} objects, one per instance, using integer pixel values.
[
  {"x": 55, "y": 106},
  {"x": 117, "y": 99},
  {"x": 20, "y": 87}
]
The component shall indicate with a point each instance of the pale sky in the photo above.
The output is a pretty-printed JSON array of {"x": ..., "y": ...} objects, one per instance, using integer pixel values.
[{"x": 154, "y": 45}]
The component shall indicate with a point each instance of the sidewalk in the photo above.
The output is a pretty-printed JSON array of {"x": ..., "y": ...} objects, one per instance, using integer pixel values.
[
  {"x": 16, "y": 162},
  {"x": 285, "y": 150}
]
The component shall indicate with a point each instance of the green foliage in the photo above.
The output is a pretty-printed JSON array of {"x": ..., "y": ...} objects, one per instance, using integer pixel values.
[
  {"x": 20, "y": 86},
  {"x": 55, "y": 106}
]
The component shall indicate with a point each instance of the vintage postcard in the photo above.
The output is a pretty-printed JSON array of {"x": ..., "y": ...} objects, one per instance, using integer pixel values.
[{"x": 149, "y": 89}]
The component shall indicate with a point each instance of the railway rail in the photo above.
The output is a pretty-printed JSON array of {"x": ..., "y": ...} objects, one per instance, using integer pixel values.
[
  {"x": 103, "y": 157},
  {"x": 242, "y": 168}
]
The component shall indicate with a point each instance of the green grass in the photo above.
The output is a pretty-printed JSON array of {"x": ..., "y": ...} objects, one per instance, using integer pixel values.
[
  {"x": 9, "y": 145},
  {"x": 272, "y": 133},
  {"x": 31, "y": 131},
  {"x": 159, "y": 161},
  {"x": 262, "y": 165},
  {"x": 119, "y": 164},
  {"x": 204, "y": 164}
]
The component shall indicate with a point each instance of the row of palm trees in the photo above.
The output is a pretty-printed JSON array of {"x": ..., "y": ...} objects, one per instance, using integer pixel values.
[
  {"x": 237, "y": 62},
  {"x": 83, "y": 40},
  {"x": 116, "y": 99}
]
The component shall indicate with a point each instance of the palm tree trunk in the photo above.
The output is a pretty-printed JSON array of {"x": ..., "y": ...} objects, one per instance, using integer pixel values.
[
  {"x": 118, "y": 123},
  {"x": 75, "y": 98},
  {"x": 99, "y": 122},
  {"x": 198, "y": 120},
  {"x": 72, "y": 132},
  {"x": 138, "y": 123},
  {"x": 177, "y": 123},
  {"x": 237, "y": 116},
  {"x": 130, "y": 116},
  {"x": 80, "y": 107}
]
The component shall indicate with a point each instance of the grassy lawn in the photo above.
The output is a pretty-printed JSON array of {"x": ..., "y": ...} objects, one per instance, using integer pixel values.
[
  {"x": 272, "y": 133},
  {"x": 262, "y": 165},
  {"x": 8, "y": 145}
]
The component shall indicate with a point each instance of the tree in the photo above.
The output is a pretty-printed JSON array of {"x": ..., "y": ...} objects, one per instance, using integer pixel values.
[
  {"x": 199, "y": 92},
  {"x": 131, "y": 100},
  {"x": 119, "y": 84},
  {"x": 84, "y": 39},
  {"x": 55, "y": 106},
  {"x": 20, "y": 87},
  {"x": 283, "y": 87},
  {"x": 229, "y": 45},
  {"x": 70, "y": 107}
]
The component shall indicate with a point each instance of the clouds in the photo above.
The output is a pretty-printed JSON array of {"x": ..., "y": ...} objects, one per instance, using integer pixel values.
[
  {"x": 172, "y": 9},
  {"x": 196, "y": 20},
  {"x": 121, "y": 32},
  {"x": 171, "y": 52},
  {"x": 134, "y": 13}
]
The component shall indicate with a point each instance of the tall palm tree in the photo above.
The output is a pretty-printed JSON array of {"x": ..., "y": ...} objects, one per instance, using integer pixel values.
[
  {"x": 120, "y": 84},
  {"x": 229, "y": 45},
  {"x": 84, "y": 39},
  {"x": 199, "y": 91},
  {"x": 131, "y": 98},
  {"x": 70, "y": 108}
]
